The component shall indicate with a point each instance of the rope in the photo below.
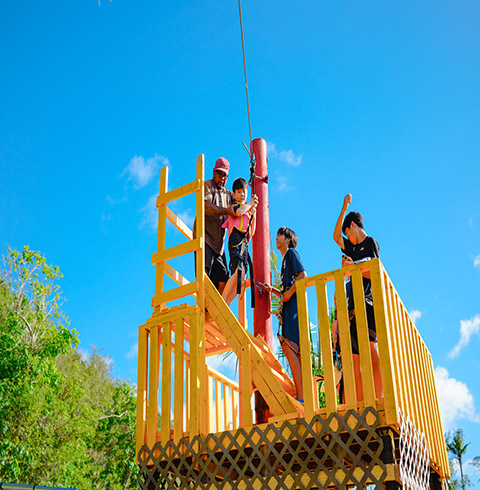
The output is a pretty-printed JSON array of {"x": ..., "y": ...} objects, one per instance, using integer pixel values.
[{"x": 245, "y": 71}]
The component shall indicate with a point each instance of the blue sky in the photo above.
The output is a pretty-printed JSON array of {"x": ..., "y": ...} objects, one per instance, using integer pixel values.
[{"x": 380, "y": 99}]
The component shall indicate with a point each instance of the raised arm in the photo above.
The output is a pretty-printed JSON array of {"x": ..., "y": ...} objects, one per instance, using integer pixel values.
[
  {"x": 247, "y": 206},
  {"x": 337, "y": 232}
]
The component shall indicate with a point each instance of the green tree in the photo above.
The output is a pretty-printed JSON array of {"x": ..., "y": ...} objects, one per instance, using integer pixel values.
[
  {"x": 64, "y": 420},
  {"x": 457, "y": 448}
]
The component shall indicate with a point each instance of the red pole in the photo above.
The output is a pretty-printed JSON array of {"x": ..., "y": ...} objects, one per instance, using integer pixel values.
[{"x": 262, "y": 320}]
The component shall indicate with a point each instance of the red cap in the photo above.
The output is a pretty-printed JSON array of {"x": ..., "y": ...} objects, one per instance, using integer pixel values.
[{"x": 222, "y": 165}]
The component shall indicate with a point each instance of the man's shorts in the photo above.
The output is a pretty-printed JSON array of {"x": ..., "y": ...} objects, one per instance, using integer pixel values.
[
  {"x": 372, "y": 331},
  {"x": 215, "y": 266}
]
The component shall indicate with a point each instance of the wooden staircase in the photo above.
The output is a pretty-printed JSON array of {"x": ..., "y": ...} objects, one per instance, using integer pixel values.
[{"x": 267, "y": 374}]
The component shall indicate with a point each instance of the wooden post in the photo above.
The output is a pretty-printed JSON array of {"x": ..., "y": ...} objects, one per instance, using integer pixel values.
[
  {"x": 305, "y": 350},
  {"x": 162, "y": 228},
  {"x": 141, "y": 434},
  {"x": 166, "y": 382},
  {"x": 326, "y": 347},
  {"x": 384, "y": 348},
  {"x": 245, "y": 363},
  {"x": 179, "y": 380}
]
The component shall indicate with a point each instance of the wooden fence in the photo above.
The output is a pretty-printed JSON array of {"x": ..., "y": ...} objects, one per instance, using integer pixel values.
[{"x": 405, "y": 363}]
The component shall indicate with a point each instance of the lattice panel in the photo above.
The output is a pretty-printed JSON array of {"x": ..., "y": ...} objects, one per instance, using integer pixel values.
[
  {"x": 414, "y": 459},
  {"x": 340, "y": 451}
]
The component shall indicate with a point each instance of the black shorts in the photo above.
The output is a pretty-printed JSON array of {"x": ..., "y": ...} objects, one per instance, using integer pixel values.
[
  {"x": 372, "y": 331},
  {"x": 215, "y": 266}
]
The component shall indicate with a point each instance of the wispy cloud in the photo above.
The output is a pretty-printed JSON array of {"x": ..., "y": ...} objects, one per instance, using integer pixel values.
[
  {"x": 470, "y": 222},
  {"x": 287, "y": 156},
  {"x": 415, "y": 315},
  {"x": 476, "y": 262},
  {"x": 141, "y": 171},
  {"x": 150, "y": 214},
  {"x": 133, "y": 352},
  {"x": 282, "y": 184},
  {"x": 455, "y": 399},
  {"x": 468, "y": 328}
]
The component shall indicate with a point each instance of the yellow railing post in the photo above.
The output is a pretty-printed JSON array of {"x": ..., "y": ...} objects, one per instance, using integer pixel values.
[
  {"x": 345, "y": 341},
  {"x": 245, "y": 363},
  {"x": 305, "y": 349},
  {"x": 325, "y": 346},
  {"x": 142, "y": 379},
  {"x": 384, "y": 347}
]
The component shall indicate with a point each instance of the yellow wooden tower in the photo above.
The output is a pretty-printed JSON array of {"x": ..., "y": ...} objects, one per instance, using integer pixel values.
[{"x": 195, "y": 427}]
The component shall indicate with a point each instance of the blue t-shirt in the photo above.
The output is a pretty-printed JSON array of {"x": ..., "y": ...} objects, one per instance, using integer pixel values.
[{"x": 291, "y": 267}]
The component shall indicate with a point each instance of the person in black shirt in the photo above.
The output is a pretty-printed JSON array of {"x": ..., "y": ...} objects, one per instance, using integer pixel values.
[{"x": 358, "y": 247}]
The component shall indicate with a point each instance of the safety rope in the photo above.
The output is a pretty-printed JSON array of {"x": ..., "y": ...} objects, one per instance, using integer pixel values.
[{"x": 245, "y": 71}]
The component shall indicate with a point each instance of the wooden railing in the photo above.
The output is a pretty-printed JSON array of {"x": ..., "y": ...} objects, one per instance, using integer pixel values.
[
  {"x": 224, "y": 398},
  {"x": 405, "y": 362}
]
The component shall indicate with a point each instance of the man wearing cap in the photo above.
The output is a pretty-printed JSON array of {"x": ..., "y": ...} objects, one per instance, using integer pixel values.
[{"x": 218, "y": 204}]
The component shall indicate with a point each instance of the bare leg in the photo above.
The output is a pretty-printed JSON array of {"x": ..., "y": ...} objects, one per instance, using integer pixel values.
[
  {"x": 377, "y": 375},
  {"x": 229, "y": 290},
  {"x": 289, "y": 348},
  {"x": 221, "y": 287}
]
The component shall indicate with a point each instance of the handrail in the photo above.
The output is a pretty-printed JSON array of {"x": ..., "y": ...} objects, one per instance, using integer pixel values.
[{"x": 405, "y": 362}]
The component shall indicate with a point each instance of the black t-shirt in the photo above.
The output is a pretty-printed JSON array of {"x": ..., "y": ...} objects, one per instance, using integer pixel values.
[{"x": 365, "y": 250}]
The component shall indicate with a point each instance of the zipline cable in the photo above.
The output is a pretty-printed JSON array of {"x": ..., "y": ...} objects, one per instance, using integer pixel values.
[{"x": 245, "y": 70}]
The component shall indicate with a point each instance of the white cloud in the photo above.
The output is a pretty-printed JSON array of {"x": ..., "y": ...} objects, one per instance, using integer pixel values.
[
  {"x": 290, "y": 158},
  {"x": 150, "y": 214},
  {"x": 470, "y": 222},
  {"x": 287, "y": 156},
  {"x": 456, "y": 401},
  {"x": 415, "y": 315},
  {"x": 142, "y": 171},
  {"x": 282, "y": 185},
  {"x": 133, "y": 352},
  {"x": 468, "y": 328},
  {"x": 476, "y": 262}
]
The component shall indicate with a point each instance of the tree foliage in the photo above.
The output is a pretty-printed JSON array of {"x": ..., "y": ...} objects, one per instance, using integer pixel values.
[{"x": 64, "y": 420}]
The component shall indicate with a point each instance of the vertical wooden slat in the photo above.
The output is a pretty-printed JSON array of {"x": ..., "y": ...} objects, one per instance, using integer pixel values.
[
  {"x": 363, "y": 339},
  {"x": 217, "y": 405},
  {"x": 187, "y": 395},
  {"x": 393, "y": 329},
  {"x": 345, "y": 342},
  {"x": 245, "y": 366},
  {"x": 226, "y": 406},
  {"x": 305, "y": 349},
  {"x": 406, "y": 373},
  {"x": 326, "y": 347},
  {"x": 194, "y": 377},
  {"x": 211, "y": 391},
  {"x": 414, "y": 413},
  {"x": 234, "y": 409},
  {"x": 162, "y": 227},
  {"x": 166, "y": 382},
  {"x": 384, "y": 352},
  {"x": 141, "y": 435},
  {"x": 427, "y": 402},
  {"x": 179, "y": 381},
  {"x": 201, "y": 368},
  {"x": 153, "y": 377}
]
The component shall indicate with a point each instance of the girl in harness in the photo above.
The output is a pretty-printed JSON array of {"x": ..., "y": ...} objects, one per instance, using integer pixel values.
[{"x": 240, "y": 229}]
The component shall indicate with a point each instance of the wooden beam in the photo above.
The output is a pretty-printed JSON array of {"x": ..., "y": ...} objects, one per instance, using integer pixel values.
[
  {"x": 178, "y": 193},
  {"x": 179, "y": 224},
  {"x": 175, "y": 293},
  {"x": 177, "y": 251}
]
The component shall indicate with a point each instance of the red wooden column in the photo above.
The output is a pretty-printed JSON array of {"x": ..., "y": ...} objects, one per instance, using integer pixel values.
[{"x": 262, "y": 320}]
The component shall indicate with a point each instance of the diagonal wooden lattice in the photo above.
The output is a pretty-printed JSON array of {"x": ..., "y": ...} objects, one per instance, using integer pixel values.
[
  {"x": 339, "y": 451},
  {"x": 414, "y": 458}
]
